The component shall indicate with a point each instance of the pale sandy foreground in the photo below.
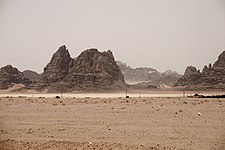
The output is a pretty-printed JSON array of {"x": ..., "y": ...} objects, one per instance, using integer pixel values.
[{"x": 116, "y": 123}]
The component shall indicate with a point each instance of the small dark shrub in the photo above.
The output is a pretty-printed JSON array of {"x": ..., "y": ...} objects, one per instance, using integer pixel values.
[{"x": 57, "y": 97}]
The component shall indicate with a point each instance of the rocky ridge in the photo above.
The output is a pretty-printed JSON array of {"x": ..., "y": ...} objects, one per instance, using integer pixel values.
[
  {"x": 95, "y": 69},
  {"x": 90, "y": 70},
  {"x": 10, "y": 75},
  {"x": 191, "y": 77},
  {"x": 210, "y": 77},
  {"x": 135, "y": 74},
  {"x": 149, "y": 76},
  {"x": 99, "y": 70}
]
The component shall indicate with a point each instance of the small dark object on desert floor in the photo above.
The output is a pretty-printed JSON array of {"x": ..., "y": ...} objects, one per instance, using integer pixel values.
[{"x": 212, "y": 96}]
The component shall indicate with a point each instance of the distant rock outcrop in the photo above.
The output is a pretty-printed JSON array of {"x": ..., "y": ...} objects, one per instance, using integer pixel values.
[
  {"x": 211, "y": 76},
  {"x": 58, "y": 67},
  {"x": 32, "y": 75},
  {"x": 162, "y": 80},
  {"x": 10, "y": 75},
  {"x": 214, "y": 76},
  {"x": 190, "y": 77},
  {"x": 150, "y": 76},
  {"x": 95, "y": 69},
  {"x": 137, "y": 74},
  {"x": 90, "y": 70},
  {"x": 220, "y": 63}
]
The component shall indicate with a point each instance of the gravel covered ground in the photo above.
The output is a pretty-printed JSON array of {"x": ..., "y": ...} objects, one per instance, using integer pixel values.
[{"x": 112, "y": 123}]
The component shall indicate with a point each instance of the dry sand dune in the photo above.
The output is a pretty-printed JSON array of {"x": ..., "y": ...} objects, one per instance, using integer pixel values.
[{"x": 112, "y": 123}]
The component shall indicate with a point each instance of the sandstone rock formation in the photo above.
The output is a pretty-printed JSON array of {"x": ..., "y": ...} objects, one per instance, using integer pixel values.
[
  {"x": 211, "y": 76},
  {"x": 58, "y": 67},
  {"x": 90, "y": 70},
  {"x": 94, "y": 69},
  {"x": 150, "y": 76},
  {"x": 10, "y": 75},
  {"x": 32, "y": 75},
  {"x": 214, "y": 76},
  {"x": 191, "y": 77},
  {"x": 220, "y": 63}
]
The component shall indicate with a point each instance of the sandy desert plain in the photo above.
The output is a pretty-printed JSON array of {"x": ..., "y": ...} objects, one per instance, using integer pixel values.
[{"x": 111, "y": 121}]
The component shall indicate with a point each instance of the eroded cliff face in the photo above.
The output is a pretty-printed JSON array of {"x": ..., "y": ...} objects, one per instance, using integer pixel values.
[
  {"x": 58, "y": 67},
  {"x": 211, "y": 76},
  {"x": 90, "y": 70},
  {"x": 214, "y": 75},
  {"x": 220, "y": 63},
  {"x": 10, "y": 75},
  {"x": 98, "y": 70},
  {"x": 94, "y": 69},
  {"x": 190, "y": 77}
]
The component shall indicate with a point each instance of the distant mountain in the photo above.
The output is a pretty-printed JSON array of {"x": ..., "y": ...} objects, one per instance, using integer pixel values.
[
  {"x": 94, "y": 70},
  {"x": 171, "y": 73},
  {"x": 90, "y": 70},
  {"x": 210, "y": 77},
  {"x": 137, "y": 74},
  {"x": 165, "y": 79},
  {"x": 32, "y": 75},
  {"x": 150, "y": 76},
  {"x": 9, "y": 76}
]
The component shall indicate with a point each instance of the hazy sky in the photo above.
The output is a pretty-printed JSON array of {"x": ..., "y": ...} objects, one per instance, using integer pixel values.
[{"x": 162, "y": 34}]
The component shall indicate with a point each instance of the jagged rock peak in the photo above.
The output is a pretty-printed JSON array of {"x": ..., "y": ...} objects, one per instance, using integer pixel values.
[
  {"x": 211, "y": 76},
  {"x": 9, "y": 69},
  {"x": 90, "y": 70},
  {"x": 62, "y": 48},
  {"x": 95, "y": 69},
  {"x": 110, "y": 53},
  {"x": 221, "y": 61},
  {"x": 95, "y": 51},
  {"x": 58, "y": 67},
  {"x": 215, "y": 76},
  {"x": 190, "y": 70},
  {"x": 190, "y": 77}
]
